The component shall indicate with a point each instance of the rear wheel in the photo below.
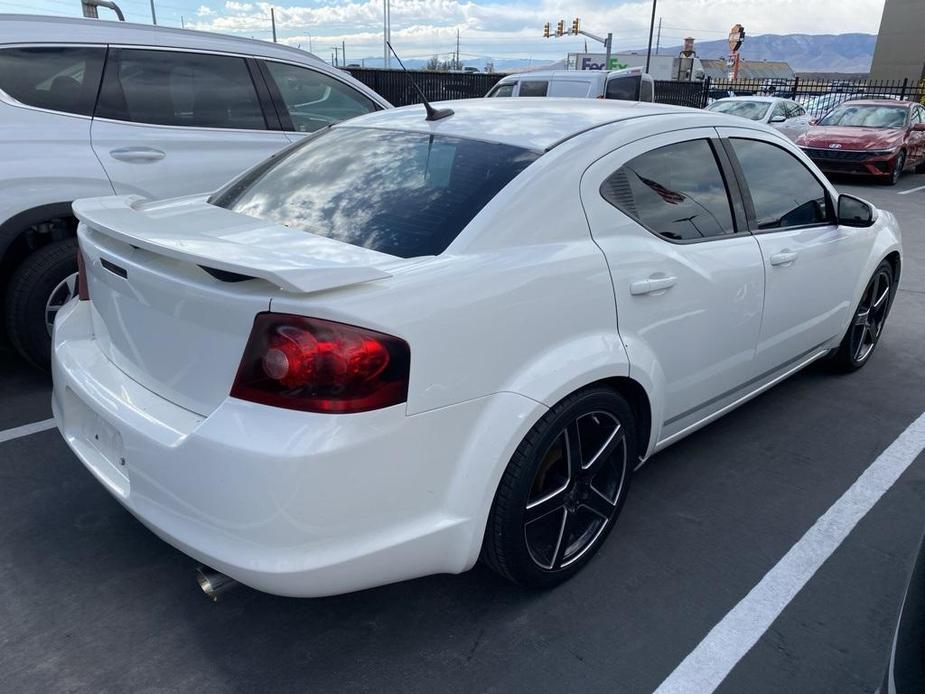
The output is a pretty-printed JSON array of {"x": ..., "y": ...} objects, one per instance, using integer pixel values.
[
  {"x": 563, "y": 489},
  {"x": 40, "y": 286},
  {"x": 863, "y": 334}
]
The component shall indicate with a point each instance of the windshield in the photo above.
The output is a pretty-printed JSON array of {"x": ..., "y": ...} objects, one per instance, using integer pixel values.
[
  {"x": 867, "y": 116},
  {"x": 753, "y": 110},
  {"x": 402, "y": 193}
]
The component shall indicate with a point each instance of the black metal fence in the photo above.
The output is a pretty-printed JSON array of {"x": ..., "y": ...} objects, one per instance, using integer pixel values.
[
  {"x": 817, "y": 96},
  {"x": 396, "y": 86}
]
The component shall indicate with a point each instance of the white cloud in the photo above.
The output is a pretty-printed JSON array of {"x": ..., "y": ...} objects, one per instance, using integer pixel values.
[
  {"x": 205, "y": 11},
  {"x": 428, "y": 26}
]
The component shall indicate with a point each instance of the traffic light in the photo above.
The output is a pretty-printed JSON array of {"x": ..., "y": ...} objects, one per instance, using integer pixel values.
[
  {"x": 546, "y": 31},
  {"x": 575, "y": 26},
  {"x": 560, "y": 28}
]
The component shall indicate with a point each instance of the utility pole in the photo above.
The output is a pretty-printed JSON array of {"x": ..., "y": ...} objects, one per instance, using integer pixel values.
[
  {"x": 336, "y": 50},
  {"x": 272, "y": 21},
  {"x": 182, "y": 25},
  {"x": 456, "y": 65},
  {"x": 658, "y": 37},
  {"x": 651, "y": 29},
  {"x": 386, "y": 56},
  {"x": 343, "y": 52},
  {"x": 153, "y": 15}
]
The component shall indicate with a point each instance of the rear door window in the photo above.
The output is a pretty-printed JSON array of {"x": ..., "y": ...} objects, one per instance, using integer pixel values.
[
  {"x": 676, "y": 191},
  {"x": 403, "y": 193},
  {"x": 314, "y": 100},
  {"x": 58, "y": 78},
  {"x": 533, "y": 88},
  {"x": 623, "y": 88},
  {"x": 180, "y": 89}
]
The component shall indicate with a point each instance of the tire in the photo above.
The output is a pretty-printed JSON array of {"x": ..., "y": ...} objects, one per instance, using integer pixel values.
[
  {"x": 861, "y": 339},
  {"x": 898, "y": 167},
  {"x": 551, "y": 547},
  {"x": 28, "y": 296}
]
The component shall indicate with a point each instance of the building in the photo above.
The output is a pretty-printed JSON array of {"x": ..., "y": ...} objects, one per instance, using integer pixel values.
[
  {"x": 748, "y": 69},
  {"x": 900, "y": 51}
]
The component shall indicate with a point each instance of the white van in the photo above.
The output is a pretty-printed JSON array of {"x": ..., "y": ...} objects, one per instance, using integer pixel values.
[{"x": 630, "y": 84}]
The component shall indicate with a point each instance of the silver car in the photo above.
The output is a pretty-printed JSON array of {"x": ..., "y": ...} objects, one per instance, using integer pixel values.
[{"x": 783, "y": 114}]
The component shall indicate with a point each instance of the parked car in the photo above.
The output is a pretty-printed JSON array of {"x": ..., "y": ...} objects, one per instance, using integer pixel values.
[
  {"x": 90, "y": 107},
  {"x": 880, "y": 138},
  {"x": 905, "y": 672},
  {"x": 628, "y": 84},
  {"x": 818, "y": 106},
  {"x": 781, "y": 114},
  {"x": 395, "y": 349}
]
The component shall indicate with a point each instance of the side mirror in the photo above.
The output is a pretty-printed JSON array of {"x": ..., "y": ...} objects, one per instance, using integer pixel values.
[
  {"x": 777, "y": 119},
  {"x": 814, "y": 121},
  {"x": 919, "y": 127},
  {"x": 854, "y": 212}
]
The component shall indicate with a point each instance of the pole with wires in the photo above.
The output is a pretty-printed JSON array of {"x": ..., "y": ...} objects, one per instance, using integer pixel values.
[
  {"x": 272, "y": 21},
  {"x": 153, "y": 15}
]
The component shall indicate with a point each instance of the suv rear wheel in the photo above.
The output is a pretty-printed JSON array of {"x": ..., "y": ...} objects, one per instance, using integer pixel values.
[{"x": 40, "y": 286}]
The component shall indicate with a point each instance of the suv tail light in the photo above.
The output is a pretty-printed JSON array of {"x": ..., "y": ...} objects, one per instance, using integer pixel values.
[
  {"x": 83, "y": 289},
  {"x": 321, "y": 366}
]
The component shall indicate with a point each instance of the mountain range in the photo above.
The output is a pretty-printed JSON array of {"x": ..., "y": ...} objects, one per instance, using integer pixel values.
[{"x": 804, "y": 53}]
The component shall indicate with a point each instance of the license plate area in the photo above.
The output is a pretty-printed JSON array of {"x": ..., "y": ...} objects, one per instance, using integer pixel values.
[{"x": 99, "y": 445}]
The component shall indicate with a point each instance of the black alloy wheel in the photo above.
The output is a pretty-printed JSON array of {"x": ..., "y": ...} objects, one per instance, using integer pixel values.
[
  {"x": 563, "y": 490},
  {"x": 868, "y": 321}
]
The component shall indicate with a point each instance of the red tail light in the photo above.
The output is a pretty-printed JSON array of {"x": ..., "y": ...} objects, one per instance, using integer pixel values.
[
  {"x": 83, "y": 289},
  {"x": 321, "y": 366}
]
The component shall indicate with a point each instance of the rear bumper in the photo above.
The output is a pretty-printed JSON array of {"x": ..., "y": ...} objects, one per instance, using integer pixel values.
[{"x": 288, "y": 502}]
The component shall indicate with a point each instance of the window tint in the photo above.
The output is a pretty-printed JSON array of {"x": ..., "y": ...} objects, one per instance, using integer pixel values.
[
  {"x": 403, "y": 193},
  {"x": 623, "y": 88},
  {"x": 57, "y": 78},
  {"x": 784, "y": 192},
  {"x": 502, "y": 90},
  {"x": 315, "y": 100},
  {"x": 676, "y": 191},
  {"x": 572, "y": 88},
  {"x": 173, "y": 88},
  {"x": 533, "y": 88}
]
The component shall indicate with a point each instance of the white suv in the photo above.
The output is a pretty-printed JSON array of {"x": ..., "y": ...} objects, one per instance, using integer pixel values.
[{"x": 90, "y": 108}]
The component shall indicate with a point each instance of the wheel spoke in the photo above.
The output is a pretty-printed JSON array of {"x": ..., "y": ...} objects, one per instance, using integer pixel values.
[
  {"x": 558, "y": 555},
  {"x": 607, "y": 449},
  {"x": 597, "y": 503},
  {"x": 543, "y": 506},
  {"x": 861, "y": 317},
  {"x": 881, "y": 300},
  {"x": 862, "y": 343},
  {"x": 573, "y": 450}
]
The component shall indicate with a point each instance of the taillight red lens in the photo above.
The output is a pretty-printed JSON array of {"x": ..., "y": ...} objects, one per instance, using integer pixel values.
[
  {"x": 83, "y": 289},
  {"x": 318, "y": 365}
]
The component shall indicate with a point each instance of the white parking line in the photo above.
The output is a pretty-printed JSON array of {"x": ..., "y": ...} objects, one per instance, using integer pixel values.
[
  {"x": 26, "y": 430},
  {"x": 911, "y": 190},
  {"x": 711, "y": 661}
]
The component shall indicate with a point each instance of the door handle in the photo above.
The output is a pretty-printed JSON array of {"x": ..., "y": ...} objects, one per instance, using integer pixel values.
[
  {"x": 783, "y": 258},
  {"x": 139, "y": 154},
  {"x": 652, "y": 285}
]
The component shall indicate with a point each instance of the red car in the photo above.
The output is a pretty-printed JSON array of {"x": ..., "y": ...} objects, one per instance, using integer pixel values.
[{"x": 874, "y": 137}]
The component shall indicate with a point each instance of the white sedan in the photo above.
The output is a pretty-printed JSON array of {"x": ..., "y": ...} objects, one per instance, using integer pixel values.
[
  {"x": 403, "y": 345},
  {"x": 781, "y": 114}
]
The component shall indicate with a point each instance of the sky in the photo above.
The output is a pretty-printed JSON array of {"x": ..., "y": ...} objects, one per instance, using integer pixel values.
[{"x": 495, "y": 28}]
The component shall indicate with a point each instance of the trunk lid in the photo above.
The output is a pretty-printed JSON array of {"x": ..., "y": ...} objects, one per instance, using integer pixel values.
[{"x": 175, "y": 285}]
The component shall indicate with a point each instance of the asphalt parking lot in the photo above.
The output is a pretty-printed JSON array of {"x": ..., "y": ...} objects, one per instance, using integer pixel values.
[{"x": 91, "y": 601}]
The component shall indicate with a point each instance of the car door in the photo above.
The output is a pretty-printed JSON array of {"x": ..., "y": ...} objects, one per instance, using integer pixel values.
[
  {"x": 307, "y": 100},
  {"x": 688, "y": 278},
  {"x": 916, "y": 137},
  {"x": 811, "y": 264},
  {"x": 172, "y": 122}
]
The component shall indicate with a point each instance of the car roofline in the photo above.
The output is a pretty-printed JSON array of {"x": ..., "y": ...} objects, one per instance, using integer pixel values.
[{"x": 575, "y": 134}]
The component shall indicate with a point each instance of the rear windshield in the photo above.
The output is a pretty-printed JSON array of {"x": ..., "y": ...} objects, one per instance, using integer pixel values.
[{"x": 402, "y": 193}]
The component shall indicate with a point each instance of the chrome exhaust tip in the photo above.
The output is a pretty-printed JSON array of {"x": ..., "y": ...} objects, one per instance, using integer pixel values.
[{"x": 213, "y": 583}]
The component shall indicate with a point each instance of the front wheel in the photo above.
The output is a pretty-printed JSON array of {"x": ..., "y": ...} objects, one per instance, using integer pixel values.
[
  {"x": 40, "y": 286},
  {"x": 866, "y": 327},
  {"x": 562, "y": 490},
  {"x": 898, "y": 167}
]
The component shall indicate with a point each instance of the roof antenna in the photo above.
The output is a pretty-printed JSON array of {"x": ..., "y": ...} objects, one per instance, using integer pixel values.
[{"x": 432, "y": 113}]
